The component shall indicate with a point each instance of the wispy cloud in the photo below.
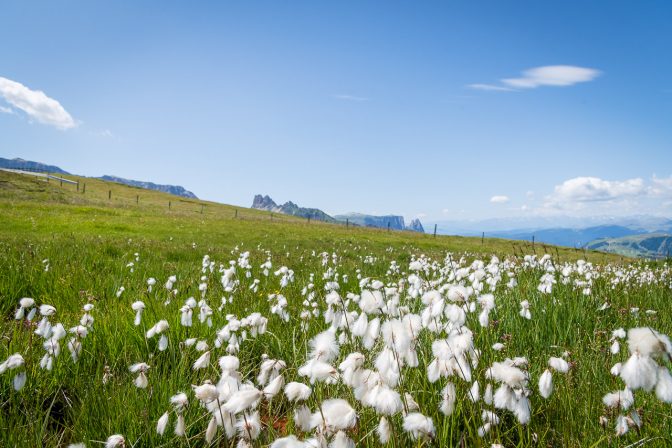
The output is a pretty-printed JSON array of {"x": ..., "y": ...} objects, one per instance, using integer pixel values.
[
  {"x": 6, "y": 110},
  {"x": 105, "y": 133},
  {"x": 348, "y": 97},
  {"x": 549, "y": 75},
  {"x": 36, "y": 104},
  {"x": 499, "y": 199},
  {"x": 490, "y": 88}
]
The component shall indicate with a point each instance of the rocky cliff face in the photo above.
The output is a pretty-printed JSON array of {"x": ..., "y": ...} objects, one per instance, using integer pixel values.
[
  {"x": 289, "y": 208},
  {"x": 172, "y": 189},
  {"x": 265, "y": 203},
  {"x": 416, "y": 226}
]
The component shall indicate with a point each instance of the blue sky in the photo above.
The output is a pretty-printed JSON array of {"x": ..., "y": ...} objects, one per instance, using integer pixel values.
[{"x": 445, "y": 110}]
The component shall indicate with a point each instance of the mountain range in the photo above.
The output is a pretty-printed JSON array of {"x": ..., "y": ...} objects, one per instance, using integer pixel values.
[
  {"x": 648, "y": 245},
  {"x": 640, "y": 235},
  {"x": 394, "y": 222},
  {"x": 631, "y": 239},
  {"x": 289, "y": 208},
  {"x": 177, "y": 190},
  {"x": 27, "y": 165}
]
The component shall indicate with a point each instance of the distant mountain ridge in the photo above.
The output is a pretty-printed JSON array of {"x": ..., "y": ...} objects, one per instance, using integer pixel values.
[
  {"x": 28, "y": 165},
  {"x": 569, "y": 237},
  {"x": 649, "y": 245},
  {"x": 177, "y": 190},
  {"x": 289, "y": 208},
  {"x": 395, "y": 222}
]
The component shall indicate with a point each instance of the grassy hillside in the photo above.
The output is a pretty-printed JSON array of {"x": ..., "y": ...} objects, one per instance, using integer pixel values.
[
  {"x": 650, "y": 245},
  {"x": 75, "y": 249},
  {"x": 34, "y": 208}
]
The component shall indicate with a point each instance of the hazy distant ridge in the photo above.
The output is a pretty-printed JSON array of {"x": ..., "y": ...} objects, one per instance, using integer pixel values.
[
  {"x": 172, "y": 189},
  {"x": 28, "y": 165}
]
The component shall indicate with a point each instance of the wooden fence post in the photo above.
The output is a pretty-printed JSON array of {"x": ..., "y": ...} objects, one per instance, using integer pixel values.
[
  {"x": 482, "y": 238},
  {"x": 137, "y": 199},
  {"x": 435, "y": 230},
  {"x": 84, "y": 188},
  {"x": 347, "y": 223},
  {"x": 109, "y": 195},
  {"x": 169, "y": 204},
  {"x": 236, "y": 215}
]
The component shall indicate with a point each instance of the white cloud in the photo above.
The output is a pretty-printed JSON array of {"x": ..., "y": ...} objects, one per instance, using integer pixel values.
[
  {"x": 6, "y": 110},
  {"x": 499, "y": 199},
  {"x": 490, "y": 87},
  {"x": 347, "y": 97},
  {"x": 549, "y": 75},
  {"x": 36, "y": 104},
  {"x": 552, "y": 75},
  {"x": 590, "y": 189},
  {"x": 661, "y": 187}
]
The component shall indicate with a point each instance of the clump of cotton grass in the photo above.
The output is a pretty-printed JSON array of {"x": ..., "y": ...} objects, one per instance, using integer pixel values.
[
  {"x": 383, "y": 431},
  {"x": 512, "y": 394},
  {"x": 159, "y": 328},
  {"x": 87, "y": 318},
  {"x": 52, "y": 346},
  {"x": 203, "y": 361},
  {"x": 419, "y": 426},
  {"x": 455, "y": 354},
  {"x": 289, "y": 442},
  {"x": 170, "y": 283},
  {"x": 243, "y": 399},
  {"x": 334, "y": 415},
  {"x": 270, "y": 369},
  {"x": 187, "y": 312},
  {"x": 26, "y": 309},
  {"x": 138, "y": 306},
  {"x": 279, "y": 306},
  {"x": 179, "y": 402},
  {"x": 115, "y": 441},
  {"x": 75, "y": 343},
  {"x": 324, "y": 348},
  {"x": 525, "y": 310},
  {"x": 297, "y": 391},
  {"x": 13, "y": 362},
  {"x": 546, "y": 378},
  {"x": 141, "y": 369},
  {"x": 640, "y": 371},
  {"x": 448, "y": 398},
  {"x": 44, "y": 327},
  {"x": 615, "y": 336},
  {"x": 151, "y": 281}
]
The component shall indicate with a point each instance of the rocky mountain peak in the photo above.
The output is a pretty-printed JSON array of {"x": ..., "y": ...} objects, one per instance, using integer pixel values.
[
  {"x": 416, "y": 226},
  {"x": 264, "y": 203}
]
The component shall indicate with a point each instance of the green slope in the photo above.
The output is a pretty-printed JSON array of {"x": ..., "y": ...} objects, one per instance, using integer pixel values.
[
  {"x": 651, "y": 245},
  {"x": 33, "y": 208}
]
